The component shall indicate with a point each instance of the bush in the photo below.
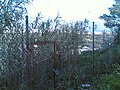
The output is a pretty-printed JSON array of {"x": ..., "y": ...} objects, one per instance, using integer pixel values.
[{"x": 110, "y": 82}]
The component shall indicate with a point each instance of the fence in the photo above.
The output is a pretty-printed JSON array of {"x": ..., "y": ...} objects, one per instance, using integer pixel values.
[{"x": 43, "y": 65}]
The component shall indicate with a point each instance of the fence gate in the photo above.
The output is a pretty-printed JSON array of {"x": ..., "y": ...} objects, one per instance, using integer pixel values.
[{"x": 43, "y": 65}]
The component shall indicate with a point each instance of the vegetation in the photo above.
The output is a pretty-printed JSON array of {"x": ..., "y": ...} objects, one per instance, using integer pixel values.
[
  {"x": 111, "y": 81},
  {"x": 52, "y": 61}
]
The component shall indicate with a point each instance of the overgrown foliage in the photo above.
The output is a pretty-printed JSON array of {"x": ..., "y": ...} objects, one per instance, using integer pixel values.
[
  {"x": 53, "y": 66},
  {"x": 111, "y": 81}
]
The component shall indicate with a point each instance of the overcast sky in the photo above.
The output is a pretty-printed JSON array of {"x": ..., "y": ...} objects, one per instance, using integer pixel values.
[{"x": 70, "y": 9}]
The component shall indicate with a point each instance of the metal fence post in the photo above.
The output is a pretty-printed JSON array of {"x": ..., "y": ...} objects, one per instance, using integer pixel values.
[{"x": 93, "y": 50}]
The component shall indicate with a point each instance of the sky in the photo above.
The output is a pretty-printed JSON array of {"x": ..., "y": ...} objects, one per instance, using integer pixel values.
[{"x": 70, "y": 9}]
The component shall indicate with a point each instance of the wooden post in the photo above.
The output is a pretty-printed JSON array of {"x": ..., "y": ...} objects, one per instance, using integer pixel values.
[
  {"x": 32, "y": 67},
  {"x": 54, "y": 67}
]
